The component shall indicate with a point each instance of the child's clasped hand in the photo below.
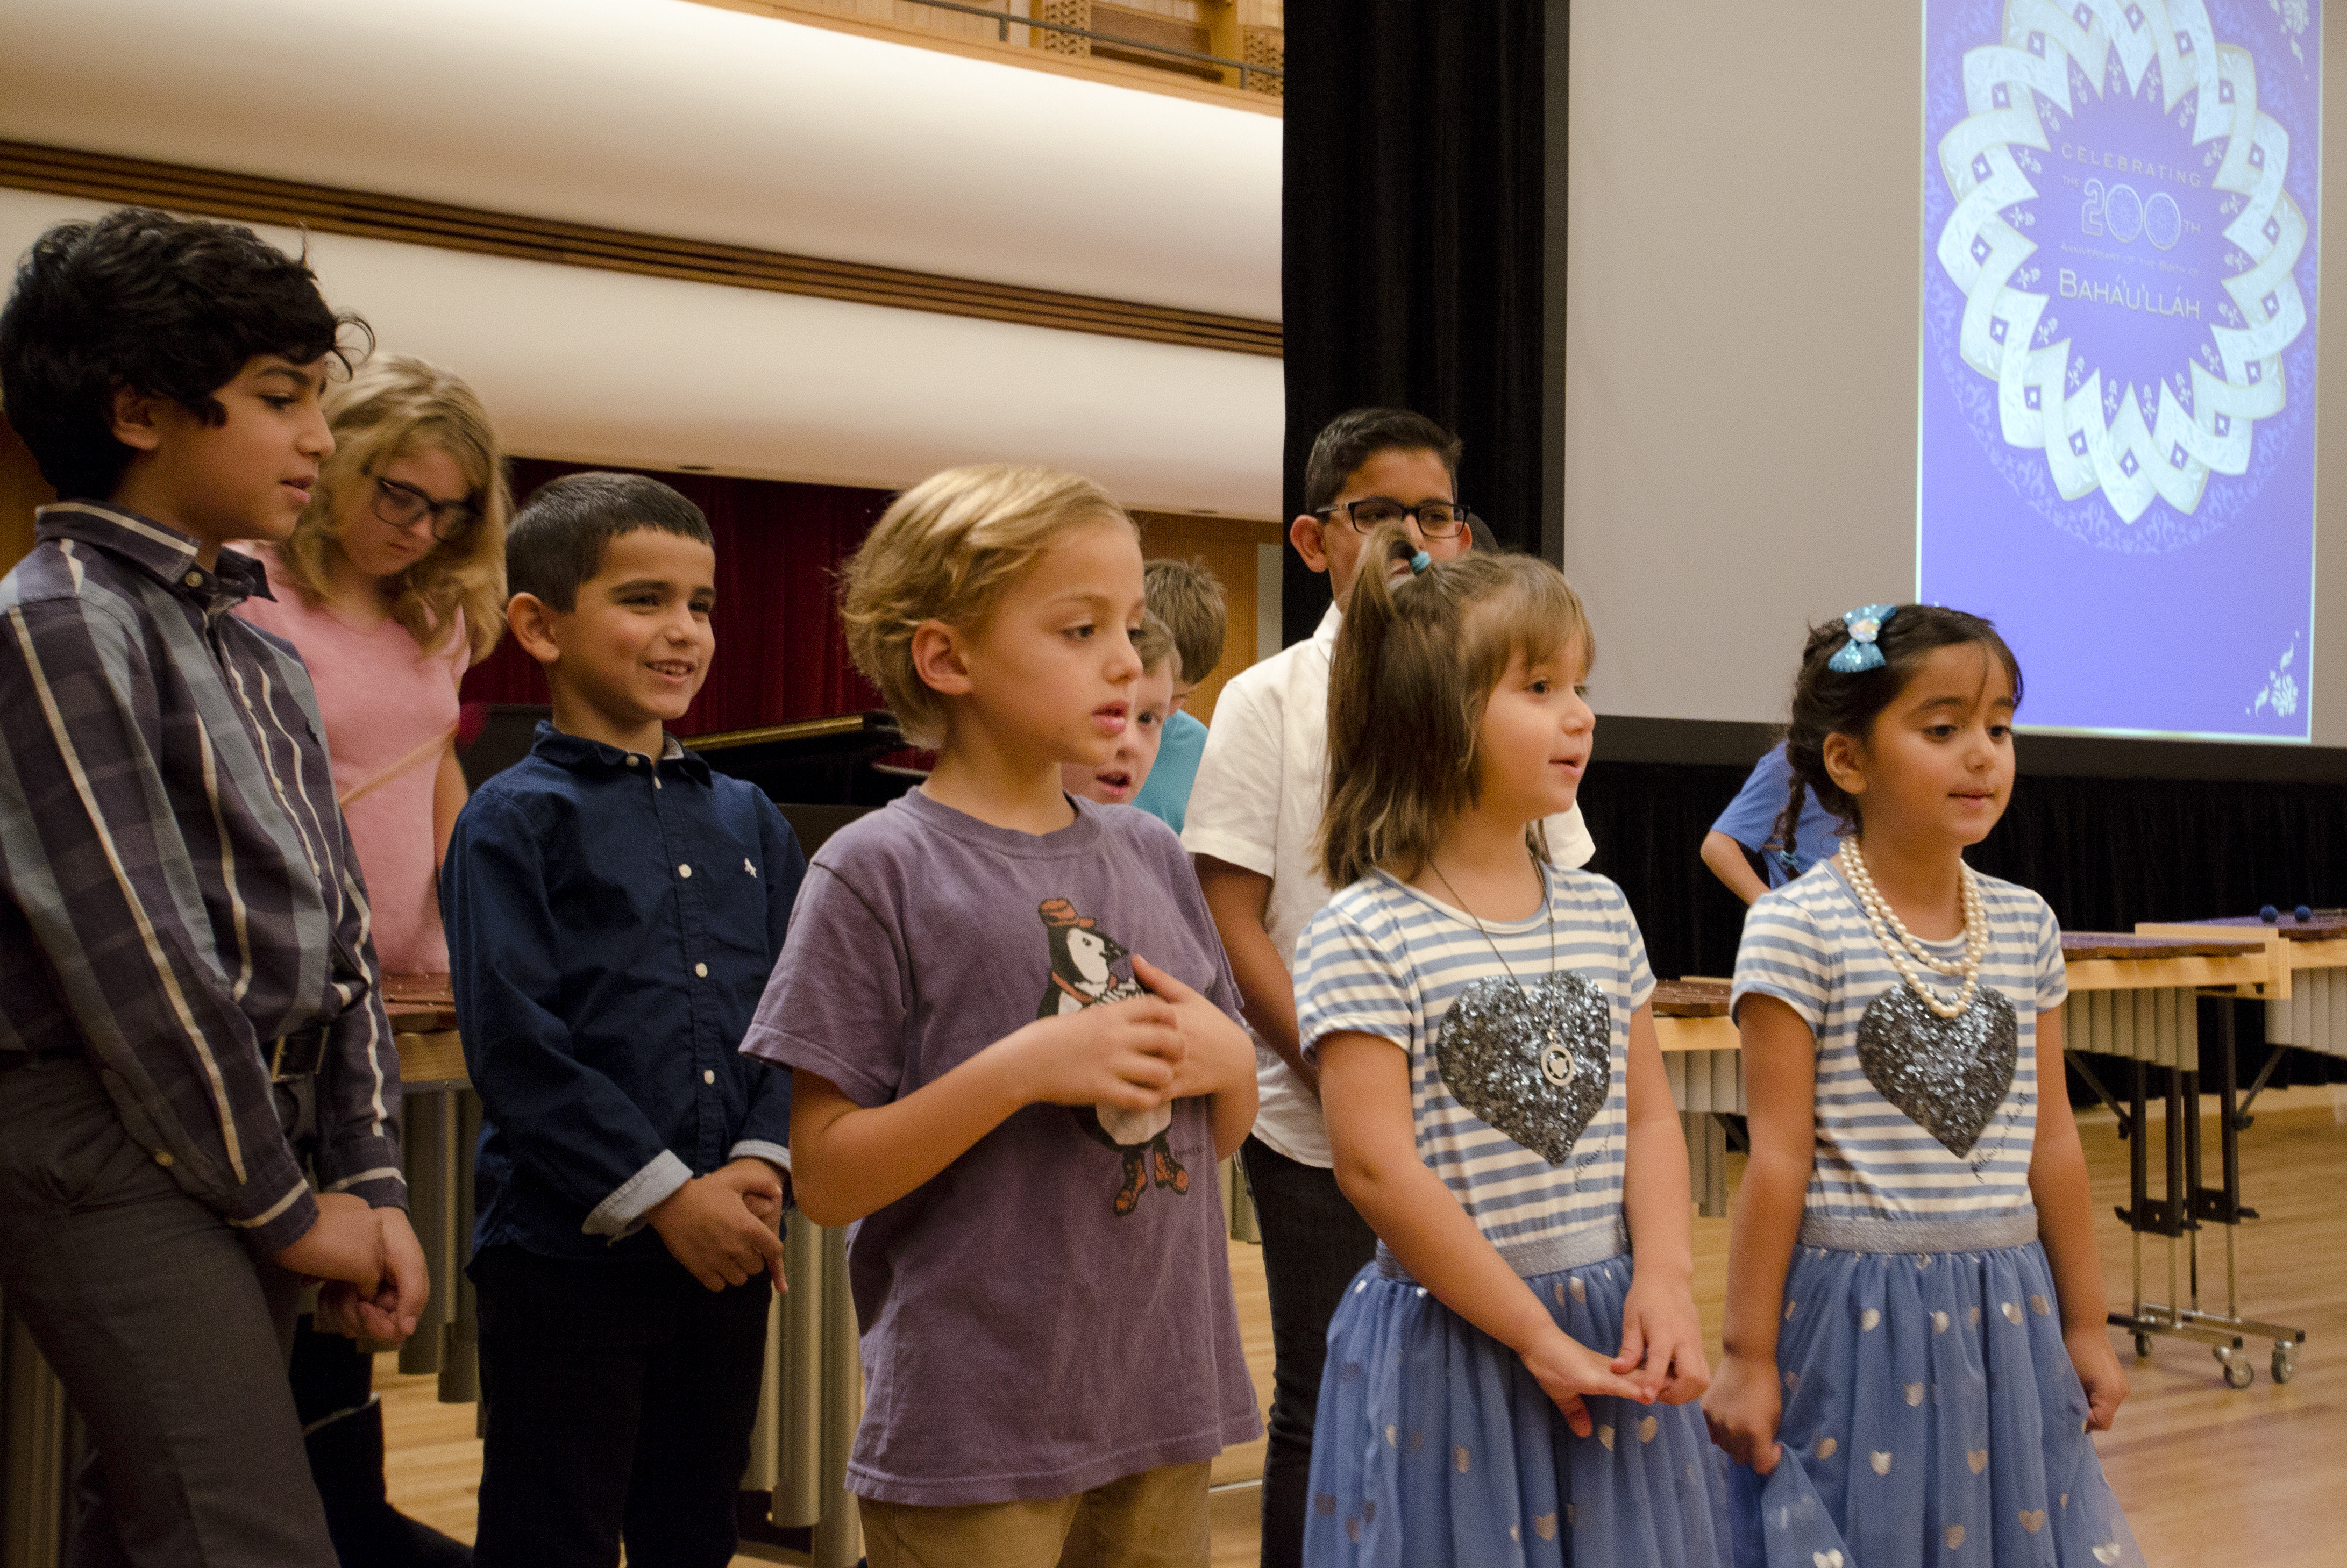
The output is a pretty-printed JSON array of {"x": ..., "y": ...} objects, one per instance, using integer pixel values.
[
  {"x": 1662, "y": 1341},
  {"x": 373, "y": 1281},
  {"x": 1743, "y": 1408},
  {"x": 1566, "y": 1370},
  {"x": 724, "y": 1227}
]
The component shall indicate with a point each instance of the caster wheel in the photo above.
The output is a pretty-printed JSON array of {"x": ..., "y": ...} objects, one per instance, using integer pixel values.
[
  {"x": 2143, "y": 1346},
  {"x": 2285, "y": 1361},
  {"x": 2237, "y": 1370}
]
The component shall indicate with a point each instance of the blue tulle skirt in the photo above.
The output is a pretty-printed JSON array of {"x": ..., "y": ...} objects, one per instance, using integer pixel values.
[
  {"x": 1434, "y": 1445},
  {"x": 1931, "y": 1418}
]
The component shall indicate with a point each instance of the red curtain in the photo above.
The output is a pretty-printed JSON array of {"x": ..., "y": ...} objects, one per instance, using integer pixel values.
[{"x": 780, "y": 653}]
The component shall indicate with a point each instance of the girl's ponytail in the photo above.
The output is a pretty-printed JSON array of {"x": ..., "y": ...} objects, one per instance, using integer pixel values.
[
  {"x": 1348, "y": 841},
  {"x": 1361, "y": 636}
]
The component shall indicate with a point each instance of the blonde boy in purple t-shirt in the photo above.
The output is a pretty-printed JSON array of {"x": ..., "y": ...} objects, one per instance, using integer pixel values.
[{"x": 1015, "y": 1059}]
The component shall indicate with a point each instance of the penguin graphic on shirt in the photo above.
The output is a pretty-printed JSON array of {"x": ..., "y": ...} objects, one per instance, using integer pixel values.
[{"x": 1084, "y": 975}]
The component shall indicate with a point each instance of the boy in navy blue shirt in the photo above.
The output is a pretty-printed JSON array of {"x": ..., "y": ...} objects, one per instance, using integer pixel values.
[{"x": 613, "y": 910}]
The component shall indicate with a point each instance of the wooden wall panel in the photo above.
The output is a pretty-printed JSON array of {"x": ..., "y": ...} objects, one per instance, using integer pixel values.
[
  {"x": 1228, "y": 547},
  {"x": 22, "y": 489}
]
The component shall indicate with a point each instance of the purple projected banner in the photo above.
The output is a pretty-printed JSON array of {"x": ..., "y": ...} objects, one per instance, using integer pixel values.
[{"x": 2116, "y": 457}]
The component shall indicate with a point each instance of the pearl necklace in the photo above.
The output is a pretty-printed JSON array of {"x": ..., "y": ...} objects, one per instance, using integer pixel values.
[{"x": 1905, "y": 951}]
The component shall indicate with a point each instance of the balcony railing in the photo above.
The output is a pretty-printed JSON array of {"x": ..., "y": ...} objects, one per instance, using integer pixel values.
[{"x": 1004, "y": 21}]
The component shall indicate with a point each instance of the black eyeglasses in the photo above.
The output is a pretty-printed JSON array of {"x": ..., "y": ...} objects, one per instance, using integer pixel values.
[
  {"x": 1436, "y": 519},
  {"x": 405, "y": 506}
]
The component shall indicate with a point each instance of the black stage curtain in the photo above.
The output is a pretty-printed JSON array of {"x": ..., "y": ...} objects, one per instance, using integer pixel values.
[
  {"x": 1411, "y": 274},
  {"x": 2104, "y": 853}
]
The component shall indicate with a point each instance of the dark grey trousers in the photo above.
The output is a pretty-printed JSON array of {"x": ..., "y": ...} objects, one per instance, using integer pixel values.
[
  {"x": 1314, "y": 1243},
  {"x": 169, "y": 1336}
]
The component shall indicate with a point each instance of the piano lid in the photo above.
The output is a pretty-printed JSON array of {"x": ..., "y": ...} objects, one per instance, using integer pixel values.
[{"x": 831, "y": 761}]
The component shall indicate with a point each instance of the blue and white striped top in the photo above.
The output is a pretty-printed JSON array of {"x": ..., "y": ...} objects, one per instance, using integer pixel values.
[
  {"x": 1384, "y": 959},
  {"x": 1808, "y": 945}
]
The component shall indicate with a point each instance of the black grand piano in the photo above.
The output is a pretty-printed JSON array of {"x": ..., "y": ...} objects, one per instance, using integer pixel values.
[{"x": 823, "y": 774}]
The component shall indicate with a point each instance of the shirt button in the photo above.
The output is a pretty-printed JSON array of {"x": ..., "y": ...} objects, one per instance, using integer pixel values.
[
  {"x": 700, "y": 970},
  {"x": 748, "y": 867},
  {"x": 163, "y": 1158},
  {"x": 708, "y": 1075},
  {"x": 633, "y": 759},
  {"x": 685, "y": 871},
  {"x": 194, "y": 579}
]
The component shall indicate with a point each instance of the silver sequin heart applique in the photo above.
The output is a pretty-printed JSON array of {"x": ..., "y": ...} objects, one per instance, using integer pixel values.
[
  {"x": 1948, "y": 1074},
  {"x": 1536, "y": 1064}
]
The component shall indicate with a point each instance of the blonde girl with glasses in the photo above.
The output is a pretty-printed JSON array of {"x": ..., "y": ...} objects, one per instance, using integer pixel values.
[{"x": 393, "y": 583}]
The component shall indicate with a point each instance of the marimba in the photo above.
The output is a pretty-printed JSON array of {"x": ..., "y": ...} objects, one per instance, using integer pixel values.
[
  {"x": 1704, "y": 1058},
  {"x": 2306, "y": 994},
  {"x": 2136, "y": 996}
]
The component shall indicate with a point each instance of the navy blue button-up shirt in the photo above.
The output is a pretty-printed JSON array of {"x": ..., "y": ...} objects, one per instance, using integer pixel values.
[{"x": 612, "y": 918}]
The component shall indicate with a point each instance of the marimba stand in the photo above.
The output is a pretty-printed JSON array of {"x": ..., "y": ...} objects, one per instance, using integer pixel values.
[{"x": 2138, "y": 996}]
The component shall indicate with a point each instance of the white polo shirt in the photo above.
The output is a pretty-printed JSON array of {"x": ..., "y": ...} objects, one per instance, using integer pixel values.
[{"x": 1257, "y": 804}]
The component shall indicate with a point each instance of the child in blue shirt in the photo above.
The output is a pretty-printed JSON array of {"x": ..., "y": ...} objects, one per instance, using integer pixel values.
[
  {"x": 1747, "y": 849},
  {"x": 612, "y": 908},
  {"x": 1184, "y": 597}
]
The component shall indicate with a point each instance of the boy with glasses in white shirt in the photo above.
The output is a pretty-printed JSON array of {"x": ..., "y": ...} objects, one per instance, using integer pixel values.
[{"x": 1253, "y": 816}]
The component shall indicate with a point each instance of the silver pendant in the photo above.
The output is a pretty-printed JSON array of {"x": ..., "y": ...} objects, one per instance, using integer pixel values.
[
  {"x": 1536, "y": 1064},
  {"x": 1948, "y": 1075},
  {"x": 1556, "y": 1061}
]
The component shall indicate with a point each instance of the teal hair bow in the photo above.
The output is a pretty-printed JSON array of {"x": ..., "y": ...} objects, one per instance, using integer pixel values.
[{"x": 1859, "y": 653}]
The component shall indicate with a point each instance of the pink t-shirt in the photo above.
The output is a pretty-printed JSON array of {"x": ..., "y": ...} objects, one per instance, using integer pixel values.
[{"x": 385, "y": 702}]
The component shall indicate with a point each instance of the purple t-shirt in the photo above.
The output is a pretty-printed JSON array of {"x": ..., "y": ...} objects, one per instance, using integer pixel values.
[{"x": 1053, "y": 1310}]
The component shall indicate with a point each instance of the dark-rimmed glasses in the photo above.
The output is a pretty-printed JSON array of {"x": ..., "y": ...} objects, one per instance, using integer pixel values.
[
  {"x": 1436, "y": 519},
  {"x": 405, "y": 506}
]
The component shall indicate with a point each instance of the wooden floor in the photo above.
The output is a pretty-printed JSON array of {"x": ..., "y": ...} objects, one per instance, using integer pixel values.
[{"x": 2207, "y": 1475}]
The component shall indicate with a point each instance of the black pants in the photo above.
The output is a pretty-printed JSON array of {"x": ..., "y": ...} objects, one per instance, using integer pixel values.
[
  {"x": 619, "y": 1397},
  {"x": 1313, "y": 1243}
]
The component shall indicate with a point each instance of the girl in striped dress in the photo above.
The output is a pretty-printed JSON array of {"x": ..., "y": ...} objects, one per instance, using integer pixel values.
[
  {"x": 1915, "y": 1348},
  {"x": 1511, "y": 1380}
]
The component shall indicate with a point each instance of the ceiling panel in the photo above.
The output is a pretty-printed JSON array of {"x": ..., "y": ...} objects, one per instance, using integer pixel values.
[{"x": 677, "y": 119}]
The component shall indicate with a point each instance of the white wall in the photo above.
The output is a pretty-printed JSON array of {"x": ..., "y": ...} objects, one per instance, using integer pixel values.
[{"x": 1742, "y": 341}]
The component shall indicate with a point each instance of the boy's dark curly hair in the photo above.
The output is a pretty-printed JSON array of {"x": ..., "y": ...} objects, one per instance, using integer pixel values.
[{"x": 171, "y": 307}]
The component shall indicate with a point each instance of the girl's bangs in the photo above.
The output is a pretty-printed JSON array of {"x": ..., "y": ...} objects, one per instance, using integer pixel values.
[{"x": 1536, "y": 616}]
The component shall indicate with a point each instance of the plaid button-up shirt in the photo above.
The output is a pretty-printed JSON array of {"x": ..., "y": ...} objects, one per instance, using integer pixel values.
[{"x": 179, "y": 889}]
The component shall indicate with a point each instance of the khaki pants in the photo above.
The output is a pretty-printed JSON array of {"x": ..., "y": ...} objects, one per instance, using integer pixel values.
[{"x": 1156, "y": 1519}]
